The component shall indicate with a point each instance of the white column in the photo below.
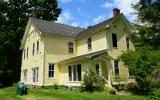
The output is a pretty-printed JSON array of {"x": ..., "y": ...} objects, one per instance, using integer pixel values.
[
  {"x": 108, "y": 69},
  {"x": 100, "y": 68}
]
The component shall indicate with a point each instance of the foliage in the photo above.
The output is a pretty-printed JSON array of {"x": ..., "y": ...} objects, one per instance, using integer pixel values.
[
  {"x": 148, "y": 26},
  {"x": 13, "y": 18},
  {"x": 112, "y": 91},
  {"x": 120, "y": 84},
  {"x": 55, "y": 86},
  {"x": 92, "y": 82},
  {"x": 132, "y": 87},
  {"x": 141, "y": 64},
  {"x": 154, "y": 95}
]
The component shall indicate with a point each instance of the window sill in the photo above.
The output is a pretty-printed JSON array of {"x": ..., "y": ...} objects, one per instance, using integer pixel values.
[
  {"x": 115, "y": 47},
  {"x": 74, "y": 81},
  {"x": 51, "y": 78}
]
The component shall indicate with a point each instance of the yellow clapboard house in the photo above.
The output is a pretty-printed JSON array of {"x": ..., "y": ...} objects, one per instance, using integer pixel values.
[{"x": 60, "y": 54}]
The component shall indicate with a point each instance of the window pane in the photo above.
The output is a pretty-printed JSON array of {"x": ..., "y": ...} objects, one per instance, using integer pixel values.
[
  {"x": 97, "y": 69},
  {"x": 37, "y": 46},
  {"x": 74, "y": 73},
  {"x": 116, "y": 67},
  {"x": 89, "y": 41},
  {"x": 79, "y": 72},
  {"x": 70, "y": 73},
  {"x": 127, "y": 42},
  {"x": 51, "y": 70},
  {"x": 33, "y": 49},
  {"x": 114, "y": 40},
  {"x": 70, "y": 47}
]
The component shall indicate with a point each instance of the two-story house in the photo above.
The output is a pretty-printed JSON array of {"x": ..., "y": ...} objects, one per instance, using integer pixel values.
[{"x": 60, "y": 54}]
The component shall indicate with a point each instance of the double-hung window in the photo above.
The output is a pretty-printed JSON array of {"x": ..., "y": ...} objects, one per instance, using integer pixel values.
[
  {"x": 114, "y": 40},
  {"x": 70, "y": 47},
  {"x": 116, "y": 67},
  {"x": 33, "y": 49},
  {"x": 127, "y": 42},
  {"x": 27, "y": 51},
  {"x": 35, "y": 72},
  {"x": 25, "y": 75},
  {"x": 89, "y": 43},
  {"x": 37, "y": 46},
  {"x": 51, "y": 70}
]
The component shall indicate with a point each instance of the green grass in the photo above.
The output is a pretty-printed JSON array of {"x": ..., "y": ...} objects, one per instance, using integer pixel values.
[{"x": 9, "y": 93}]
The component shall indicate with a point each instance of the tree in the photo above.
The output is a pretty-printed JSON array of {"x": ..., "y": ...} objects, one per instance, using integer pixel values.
[
  {"x": 149, "y": 16},
  {"x": 143, "y": 64},
  {"x": 14, "y": 15}
]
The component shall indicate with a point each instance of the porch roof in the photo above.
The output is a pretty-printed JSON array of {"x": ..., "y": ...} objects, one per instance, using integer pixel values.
[{"x": 94, "y": 55}]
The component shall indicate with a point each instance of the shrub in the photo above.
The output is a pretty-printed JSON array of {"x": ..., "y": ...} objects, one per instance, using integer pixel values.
[
  {"x": 119, "y": 86},
  {"x": 112, "y": 91},
  {"x": 55, "y": 86},
  {"x": 132, "y": 87},
  {"x": 92, "y": 82},
  {"x": 154, "y": 95}
]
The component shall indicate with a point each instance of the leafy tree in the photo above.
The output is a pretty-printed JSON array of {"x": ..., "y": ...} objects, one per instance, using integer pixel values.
[
  {"x": 14, "y": 15},
  {"x": 149, "y": 18},
  {"x": 142, "y": 64}
]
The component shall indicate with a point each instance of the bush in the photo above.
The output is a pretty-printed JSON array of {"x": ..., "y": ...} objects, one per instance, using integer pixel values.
[
  {"x": 119, "y": 86},
  {"x": 112, "y": 91},
  {"x": 154, "y": 95},
  {"x": 92, "y": 82},
  {"x": 55, "y": 86},
  {"x": 132, "y": 87}
]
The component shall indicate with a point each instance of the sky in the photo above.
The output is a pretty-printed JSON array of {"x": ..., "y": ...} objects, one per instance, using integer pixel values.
[{"x": 84, "y": 13}]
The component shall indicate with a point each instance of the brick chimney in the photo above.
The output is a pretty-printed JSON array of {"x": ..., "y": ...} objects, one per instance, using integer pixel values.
[{"x": 116, "y": 12}]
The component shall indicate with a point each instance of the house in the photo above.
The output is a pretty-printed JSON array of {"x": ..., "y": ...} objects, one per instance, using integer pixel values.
[{"x": 60, "y": 54}]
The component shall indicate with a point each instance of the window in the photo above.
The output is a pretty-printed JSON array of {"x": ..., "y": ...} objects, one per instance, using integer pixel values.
[
  {"x": 74, "y": 72},
  {"x": 27, "y": 51},
  {"x": 25, "y": 75},
  {"x": 24, "y": 53},
  {"x": 70, "y": 47},
  {"x": 116, "y": 67},
  {"x": 114, "y": 40},
  {"x": 97, "y": 69},
  {"x": 89, "y": 42},
  {"x": 127, "y": 42},
  {"x": 37, "y": 46},
  {"x": 51, "y": 71},
  {"x": 35, "y": 74},
  {"x": 33, "y": 49}
]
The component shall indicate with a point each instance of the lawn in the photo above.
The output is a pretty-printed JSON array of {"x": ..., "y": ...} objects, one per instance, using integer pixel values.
[{"x": 9, "y": 93}]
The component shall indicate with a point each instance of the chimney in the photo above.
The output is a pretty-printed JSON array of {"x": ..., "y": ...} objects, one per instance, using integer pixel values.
[
  {"x": 34, "y": 13},
  {"x": 116, "y": 12}
]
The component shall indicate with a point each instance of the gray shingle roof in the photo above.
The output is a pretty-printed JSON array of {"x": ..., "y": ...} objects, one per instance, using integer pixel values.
[
  {"x": 95, "y": 28},
  {"x": 54, "y": 28}
]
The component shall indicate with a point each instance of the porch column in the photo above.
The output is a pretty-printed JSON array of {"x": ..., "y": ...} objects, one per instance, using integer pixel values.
[
  {"x": 100, "y": 68},
  {"x": 108, "y": 69}
]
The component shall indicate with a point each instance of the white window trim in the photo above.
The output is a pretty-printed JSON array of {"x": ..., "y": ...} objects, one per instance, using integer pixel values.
[
  {"x": 53, "y": 71},
  {"x": 35, "y": 75},
  {"x": 72, "y": 81}
]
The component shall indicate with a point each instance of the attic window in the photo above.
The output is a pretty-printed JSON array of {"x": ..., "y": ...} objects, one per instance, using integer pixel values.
[{"x": 89, "y": 42}]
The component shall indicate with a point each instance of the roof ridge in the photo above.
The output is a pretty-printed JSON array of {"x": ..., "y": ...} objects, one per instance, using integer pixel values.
[{"x": 55, "y": 22}]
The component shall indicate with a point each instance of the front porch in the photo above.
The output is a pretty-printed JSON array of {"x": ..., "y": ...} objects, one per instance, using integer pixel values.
[{"x": 99, "y": 62}]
